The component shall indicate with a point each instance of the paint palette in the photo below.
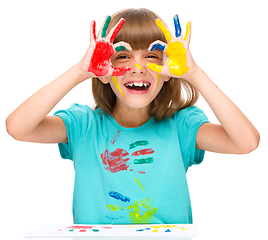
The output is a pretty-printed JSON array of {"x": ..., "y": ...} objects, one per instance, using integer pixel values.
[{"x": 91, "y": 231}]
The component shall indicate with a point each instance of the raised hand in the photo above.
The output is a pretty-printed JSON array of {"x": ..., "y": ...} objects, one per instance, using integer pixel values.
[
  {"x": 102, "y": 48},
  {"x": 177, "y": 49}
]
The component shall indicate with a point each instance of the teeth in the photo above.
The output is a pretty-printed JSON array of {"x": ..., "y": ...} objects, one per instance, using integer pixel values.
[{"x": 138, "y": 84}]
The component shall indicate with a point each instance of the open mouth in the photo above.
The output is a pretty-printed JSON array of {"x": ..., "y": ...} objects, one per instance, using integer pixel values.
[{"x": 137, "y": 86}]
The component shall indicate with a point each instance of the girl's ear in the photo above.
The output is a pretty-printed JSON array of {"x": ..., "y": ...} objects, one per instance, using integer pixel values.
[
  {"x": 104, "y": 80},
  {"x": 166, "y": 78}
]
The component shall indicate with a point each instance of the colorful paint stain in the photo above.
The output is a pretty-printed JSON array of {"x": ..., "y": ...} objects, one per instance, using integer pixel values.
[
  {"x": 143, "y": 152},
  {"x": 138, "y": 143},
  {"x": 177, "y": 26},
  {"x": 143, "y": 160},
  {"x": 168, "y": 226},
  {"x": 138, "y": 66},
  {"x": 120, "y": 48},
  {"x": 105, "y": 26},
  {"x": 163, "y": 30},
  {"x": 115, "y": 137},
  {"x": 137, "y": 215},
  {"x": 158, "y": 77},
  {"x": 117, "y": 85},
  {"x": 159, "y": 46},
  {"x": 114, "y": 207},
  {"x": 115, "y": 161},
  {"x": 137, "y": 181},
  {"x": 119, "y": 196}
]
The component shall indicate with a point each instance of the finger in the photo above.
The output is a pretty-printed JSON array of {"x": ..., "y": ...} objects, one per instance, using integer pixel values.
[
  {"x": 112, "y": 34},
  {"x": 164, "y": 30},
  {"x": 155, "y": 67},
  {"x": 177, "y": 26},
  {"x": 120, "y": 71},
  {"x": 105, "y": 26},
  {"x": 122, "y": 46},
  {"x": 93, "y": 31},
  {"x": 188, "y": 32},
  {"x": 157, "y": 45}
]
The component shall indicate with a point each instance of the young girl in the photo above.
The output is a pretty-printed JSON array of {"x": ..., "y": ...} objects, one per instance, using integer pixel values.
[{"x": 131, "y": 153}]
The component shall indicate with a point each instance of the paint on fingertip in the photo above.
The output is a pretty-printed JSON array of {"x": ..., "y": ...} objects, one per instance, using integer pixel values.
[
  {"x": 138, "y": 66},
  {"x": 158, "y": 46},
  {"x": 188, "y": 27},
  {"x": 105, "y": 26}
]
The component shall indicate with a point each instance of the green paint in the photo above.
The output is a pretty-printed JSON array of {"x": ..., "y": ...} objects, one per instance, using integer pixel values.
[
  {"x": 95, "y": 230},
  {"x": 71, "y": 230},
  {"x": 120, "y": 48},
  {"x": 138, "y": 143},
  {"x": 105, "y": 26},
  {"x": 143, "y": 160}
]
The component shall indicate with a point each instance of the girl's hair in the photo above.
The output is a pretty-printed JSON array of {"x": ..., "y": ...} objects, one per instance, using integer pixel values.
[{"x": 140, "y": 31}]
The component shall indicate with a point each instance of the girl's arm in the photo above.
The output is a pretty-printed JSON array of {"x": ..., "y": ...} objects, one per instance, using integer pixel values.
[
  {"x": 29, "y": 122},
  {"x": 236, "y": 134}
]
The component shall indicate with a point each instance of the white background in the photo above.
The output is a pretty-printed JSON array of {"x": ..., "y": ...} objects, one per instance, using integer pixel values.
[{"x": 42, "y": 39}]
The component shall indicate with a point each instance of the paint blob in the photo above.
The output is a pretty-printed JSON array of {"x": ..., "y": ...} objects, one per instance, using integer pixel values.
[
  {"x": 117, "y": 85},
  {"x": 138, "y": 66},
  {"x": 119, "y": 196},
  {"x": 138, "y": 143}
]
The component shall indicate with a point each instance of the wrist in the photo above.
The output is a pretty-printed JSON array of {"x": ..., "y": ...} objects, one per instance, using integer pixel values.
[{"x": 81, "y": 74}]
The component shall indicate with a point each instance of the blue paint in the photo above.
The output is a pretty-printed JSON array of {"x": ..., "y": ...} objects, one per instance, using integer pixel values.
[
  {"x": 158, "y": 46},
  {"x": 168, "y": 230},
  {"x": 119, "y": 196},
  {"x": 141, "y": 230},
  {"x": 177, "y": 25}
]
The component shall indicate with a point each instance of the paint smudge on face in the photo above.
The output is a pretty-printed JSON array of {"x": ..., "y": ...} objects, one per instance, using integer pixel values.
[
  {"x": 120, "y": 48},
  {"x": 115, "y": 137},
  {"x": 137, "y": 181},
  {"x": 138, "y": 143},
  {"x": 117, "y": 85},
  {"x": 158, "y": 77},
  {"x": 143, "y": 152},
  {"x": 143, "y": 160},
  {"x": 119, "y": 196},
  {"x": 115, "y": 160},
  {"x": 138, "y": 66},
  {"x": 136, "y": 215},
  {"x": 114, "y": 207}
]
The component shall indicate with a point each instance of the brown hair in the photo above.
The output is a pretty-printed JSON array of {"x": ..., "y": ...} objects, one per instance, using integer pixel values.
[{"x": 140, "y": 31}]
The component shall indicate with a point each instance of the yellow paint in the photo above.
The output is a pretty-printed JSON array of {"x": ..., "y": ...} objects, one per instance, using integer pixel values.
[
  {"x": 117, "y": 85},
  {"x": 158, "y": 77},
  {"x": 163, "y": 30},
  {"x": 177, "y": 58},
  {"x": 155, "y": 231},
  {"x": 136, "y": 180},
  {"x": 188, "y": 28},
  {"x": 114, "y": 207},
  {"x": 168, "y": 226},
  {"x": 139, "y": 216},
  {"x": 155, "y": 67},
  {"x": 138, "y": 66}
]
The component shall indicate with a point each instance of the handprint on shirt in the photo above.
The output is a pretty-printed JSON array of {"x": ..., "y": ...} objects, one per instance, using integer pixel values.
[
  {"x": 176, "y": 64},
  {"x": 119, "y": 159}
]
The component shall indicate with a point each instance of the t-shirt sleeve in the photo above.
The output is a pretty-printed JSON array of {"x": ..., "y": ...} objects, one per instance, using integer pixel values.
[
  {"x": 189, "y": 122},
  {"x": 77, "y": 121}
]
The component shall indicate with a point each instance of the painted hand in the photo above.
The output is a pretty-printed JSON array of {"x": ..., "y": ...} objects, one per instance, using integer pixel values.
[
  {"x": 102, "y": 48},
  {"x": 179, "y": 58}
]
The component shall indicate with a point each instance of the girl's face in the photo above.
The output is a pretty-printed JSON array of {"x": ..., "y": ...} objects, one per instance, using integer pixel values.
[{"x": 139, "y": 86}]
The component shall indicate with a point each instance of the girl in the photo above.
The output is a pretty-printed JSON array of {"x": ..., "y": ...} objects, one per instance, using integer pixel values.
[{"x": 132, "y": 151}]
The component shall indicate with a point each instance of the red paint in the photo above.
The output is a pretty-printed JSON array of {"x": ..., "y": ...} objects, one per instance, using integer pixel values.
[
  {"x": 117, "y": 29},
  {"x": 82, "y": 230},
  {"x": 143, "y": 152},
  {"x": 100, "y": 63},
  {"x": 115, "y": 137},
  {"x": 81, "y": 227},
  {"x": 115, "y": 160},
  {"x": 141, "y": 172},
  {"x": 107, "y": 227}
]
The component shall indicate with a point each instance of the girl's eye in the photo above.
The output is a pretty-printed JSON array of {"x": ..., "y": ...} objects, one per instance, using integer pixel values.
[
  {"x": 122, "y": 57},
  {"x": 152, "y": 56}
]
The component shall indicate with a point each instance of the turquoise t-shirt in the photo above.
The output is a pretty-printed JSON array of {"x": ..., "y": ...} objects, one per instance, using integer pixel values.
[{"x": 131, "y": 175}]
